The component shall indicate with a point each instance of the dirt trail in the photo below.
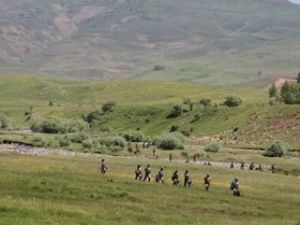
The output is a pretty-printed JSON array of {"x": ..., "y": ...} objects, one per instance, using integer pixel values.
[{"x": 34, "y": 151}]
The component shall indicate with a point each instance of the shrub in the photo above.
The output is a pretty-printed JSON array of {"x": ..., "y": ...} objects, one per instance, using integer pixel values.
[
  {"x": 205, "y": 102},
  {"x": 79, "y": 137},
  {"x": 273, "y": 91},
  {"x": 91, "y": 116},
  {"x": 113, "y": 141},
  {"x": 232, "y": 101},
  {"x": 174, "y": 128},
  {"x": 158, "y": 67},
  {"x": 63, "y": 141},
  {"x": 212, "y": 147},
  {"x": 108, "y": 107},
  {"x": 176, "y": 111},
  {"x": 170, "y": 141},
  {"x": 87, "y": 143},
  {"x": 290, "y": 93},
  {"x": 278, "y": 149},
  {"x": 38, "y": 142},
  {"x": 77, "y": 126},
  {"x": 4, "y": 123},
  {"x": 50, "y": 125},
  {"x": 133, "y": 136}
]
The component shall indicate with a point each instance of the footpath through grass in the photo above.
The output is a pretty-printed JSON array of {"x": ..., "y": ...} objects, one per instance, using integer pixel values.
[{"x": 70, "y": 191}]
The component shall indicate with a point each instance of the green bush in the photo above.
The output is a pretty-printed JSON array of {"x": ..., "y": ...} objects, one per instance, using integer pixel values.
[
  {"x": 4, "y": 122},
  {"x": 77, "y": 126},
  {"x": 38, "y": 142},
  {"x": 111, "y": 142},
  {"x": 87, "y": 144},
  {"x": 232, "y": 101},
  {"x": 176, "y": 112},
  {"x": 174, "y": 128},
  {"x": 170, "y": 141},
  {"x": 79, "y": 137},
  {"x": 91, "y": 116},
  {"x": 278, "y": 149},
  {"x": 290, "y": 93},
  {"x": 133, "y": 136},
  {"x": 212, "y": 147},
  {"x": 63, "y": 141},
  {"x": 108, "y": 107}
]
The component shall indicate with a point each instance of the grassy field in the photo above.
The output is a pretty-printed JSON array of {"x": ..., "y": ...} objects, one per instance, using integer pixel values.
[{"x": 58, "y": 190}]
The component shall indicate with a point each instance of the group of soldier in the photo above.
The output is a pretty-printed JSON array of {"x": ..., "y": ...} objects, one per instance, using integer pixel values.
[{"x": 160, "y": 177}]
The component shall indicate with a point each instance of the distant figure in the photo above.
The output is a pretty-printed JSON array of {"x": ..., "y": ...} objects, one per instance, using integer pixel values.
[
  {"x": 187, "y": 179},
  {"x": 154, "y": 153},
  {"x": 242, "y": 165},
  {"x": 273, "y": 168},
  {"x": 175, "y": 178},
  {"x": 138, "y": 172},
  {"x": 147, "y": 173},
  {"x": 252, "y": 166},
  {"x": 103, "y": 167},
  {"x": 232, "y": 165},
  {"x": 209, "y": 164},
  {"x": 234, "y": 186},
  {"x": 159, "y": 178},
  {"x": 170, "y": 157},
  {"x": 194, "y": 158},
  {"x": 207, "y": 181},
  {"x": 259, "y": 168}
]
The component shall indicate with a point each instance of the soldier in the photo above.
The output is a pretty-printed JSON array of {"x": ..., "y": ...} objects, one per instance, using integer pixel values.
[
  {"x": 154, "y": 153},
  {"x": 159, "y": 178},
  {"x": 187, "y": 179},
  {"x": 234, "y": 186},
  {"x": 251, "y": 167},
  {"x": 273, "y": 168},
  {"x": 231, "y": 165},
  {"x": 175, "y": 178},
  {"x": 259, "y": 168},
  {"x": 170, "y": 157},
  {"x": 138, "y": 172},
  {"x": 147, "y": 173},
  {"x": 103, "y": 167},
  {"x": 207, "y": 181},
  {"x": 242, "y": 165}
]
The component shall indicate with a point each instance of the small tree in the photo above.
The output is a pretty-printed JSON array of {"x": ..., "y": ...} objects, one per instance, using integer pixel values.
[
  {"x": 108, "y": 107},
  {"x": 298, "y": 78},
  {"x": 205, "y": 102},
  {"x": 212, "y": 147},
  {"x": 232, "y": 101},
  {"x": 278, "y": 149},
  {"x": 273, "y": 92}
]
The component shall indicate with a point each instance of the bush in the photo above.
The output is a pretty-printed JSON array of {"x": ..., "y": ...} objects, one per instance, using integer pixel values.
[
  {"x": 108, "y": 107},
  {"x": 205, "y": 102},
  {"x": 158, "y": 67},
  {"x": 170, "y": 141},
  {"x": 38, "y": 142},
  {"x": 278, "y": 149},
  {"x": 54, "y": 125},
  {"x": 133, "y": 136},
  {"x": 212, "y": 147},
  {"x": 63, "y": 141},
  {"x": 91, "y": 116},
  {"x": 110, "y": 142},
  {"x": 290, "y": 93},
  {"x": 232, "y": 101},
  {"x": 176, "y": 111},
  {"x": 79, "y": 137},
  {"x": 174, "y": 128},
  {"x": 87, "y": 143},
  {"x": 4, "y": 123}
]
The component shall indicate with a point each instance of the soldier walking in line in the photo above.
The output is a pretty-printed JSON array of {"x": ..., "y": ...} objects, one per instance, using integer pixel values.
[
  {"x": 187, "y": 179},
  {"x": 138, "y": 172},
  {"x": 103, "y": 167},
  {"x": 147, "y": 173},
  {"x": 207, "y": 181},
  {"x": 175, "y": 178},
  {"x": 234, "y": 186},
  {"x": 159, "y": 178}
]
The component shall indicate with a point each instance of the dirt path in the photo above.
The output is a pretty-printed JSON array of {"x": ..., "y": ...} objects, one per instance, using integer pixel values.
[{"x": 34, "y": 151}]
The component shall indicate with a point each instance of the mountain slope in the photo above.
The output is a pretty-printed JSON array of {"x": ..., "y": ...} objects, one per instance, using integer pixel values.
[{"x": 247, "y": 42}]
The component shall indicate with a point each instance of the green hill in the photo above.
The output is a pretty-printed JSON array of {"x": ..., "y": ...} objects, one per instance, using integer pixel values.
[
  {"x": 231, "y": 42},
  {"x": 145, "y": 105}
]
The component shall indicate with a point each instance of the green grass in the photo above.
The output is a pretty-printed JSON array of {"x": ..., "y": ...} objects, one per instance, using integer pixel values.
[
  {"x": 70, "y": 191},
  {"x": 144, "y": 105}
]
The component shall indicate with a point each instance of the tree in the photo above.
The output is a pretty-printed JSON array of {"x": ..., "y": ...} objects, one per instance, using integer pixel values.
[
  {"x": 189, "y": 102},
  {"x": 290, "y": 93},
  {"x": 273, "y": 92},
  {"x": 205, "y": 102},
  {"x": 176, "y": 111},
  {"x": 298, "y": 78},
  {"x": 232, "y": 101}
]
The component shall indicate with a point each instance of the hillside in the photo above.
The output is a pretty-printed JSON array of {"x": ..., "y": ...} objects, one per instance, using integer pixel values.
[
  {"x": 231, "y": 42},
  {"x": 145, "y": 105}
]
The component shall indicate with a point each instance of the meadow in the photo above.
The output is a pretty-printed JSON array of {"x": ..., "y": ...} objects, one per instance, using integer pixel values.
[{"x": 70, "y": 190}]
